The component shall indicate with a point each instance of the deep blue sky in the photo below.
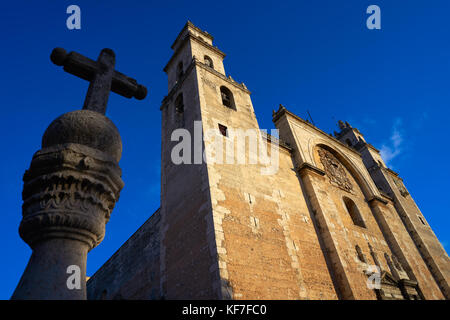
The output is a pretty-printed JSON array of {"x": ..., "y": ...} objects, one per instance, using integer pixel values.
[{"x": 391, "y": 83}]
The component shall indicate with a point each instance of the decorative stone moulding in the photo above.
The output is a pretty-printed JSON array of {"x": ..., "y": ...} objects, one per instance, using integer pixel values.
[
  {"x": 69, "y": 193},
  {"x": 70, "y": 188},
  {"x": 73, "y": 182}
]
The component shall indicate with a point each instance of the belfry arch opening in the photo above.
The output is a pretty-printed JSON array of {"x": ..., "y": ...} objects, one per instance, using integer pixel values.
[{"x": 227, "y": 98}]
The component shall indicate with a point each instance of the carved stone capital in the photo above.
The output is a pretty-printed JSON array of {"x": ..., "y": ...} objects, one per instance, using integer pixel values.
[{"x": 69, "y": 192}]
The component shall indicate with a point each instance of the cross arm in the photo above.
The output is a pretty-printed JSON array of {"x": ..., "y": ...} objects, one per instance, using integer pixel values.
[{"x": 85, "y": 68}]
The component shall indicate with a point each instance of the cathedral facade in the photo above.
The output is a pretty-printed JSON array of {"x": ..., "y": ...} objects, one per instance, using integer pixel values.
[{"x": 333, "y": 222}]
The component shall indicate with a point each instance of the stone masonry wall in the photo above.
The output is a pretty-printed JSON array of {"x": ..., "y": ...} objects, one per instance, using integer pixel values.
[
  {"x": 267, "y": 246},
  {"x": 132, "y": 272},
  {"x": 228, "y": 231}
]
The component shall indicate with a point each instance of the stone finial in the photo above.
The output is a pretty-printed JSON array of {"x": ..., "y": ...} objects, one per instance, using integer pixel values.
[{"x": 341, "y": 125}]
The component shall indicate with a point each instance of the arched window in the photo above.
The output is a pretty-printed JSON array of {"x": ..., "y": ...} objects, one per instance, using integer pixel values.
[
  {"x": 179, "y": 110},
  {"x": 209, "y": 62},
  {"x": 179, "y": 70},
  {"x": 354, "y": 213},
  {"x": 349, "y": 143},
  {"x": 227, "y": 98}
]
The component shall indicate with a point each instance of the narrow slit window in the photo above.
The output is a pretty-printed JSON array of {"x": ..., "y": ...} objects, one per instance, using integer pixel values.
[
  {"x": 179, "y": 70},
  {"x": 179, "y": 110},
  {"x": 422, "y": 220},
  {"x": 223, "y": 130},
  {"x": 360, "y": 254},
  {"x": 209, "y": 62}
]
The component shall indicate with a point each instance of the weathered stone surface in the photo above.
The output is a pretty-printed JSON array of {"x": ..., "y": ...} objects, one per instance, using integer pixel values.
[
  {"x": 120, "y": 279},
  {"x": 69, "y": 193},
  {"x": 87, "y": 128},
  {"x": 228, "y": 232},
  {"x": 72, "y": 185}
]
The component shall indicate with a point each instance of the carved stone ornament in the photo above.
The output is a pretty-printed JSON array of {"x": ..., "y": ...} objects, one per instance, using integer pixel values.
[
  {"x": 73, "y": 183},
  {"x": 335, "y": 170},
  {"x": 69, "y": 192},
  {"x": 398, "y": 182}
]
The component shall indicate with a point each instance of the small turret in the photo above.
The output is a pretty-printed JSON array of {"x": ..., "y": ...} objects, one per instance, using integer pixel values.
[{"x": 349, "y": 135}]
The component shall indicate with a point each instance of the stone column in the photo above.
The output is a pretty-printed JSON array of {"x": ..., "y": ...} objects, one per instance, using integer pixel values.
[{"x": 69, "y": 192}]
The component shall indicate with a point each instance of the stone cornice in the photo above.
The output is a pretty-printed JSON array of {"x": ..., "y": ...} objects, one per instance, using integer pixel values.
[
  {"x": 392, "y": 172},
  {"x": 190, "y": 24},
  {"x": 384, "y": 195},
  {"x": 305, "y": 166},
  {"x": 240, "y": 86},
  {"x": 177, "y": 86},
  {"x": 408, "y": 282},
  {"x": 282, "y": 111},
  {"x": 372, "y": 147},
  {"x": 279, "y": 142},
  {"x": 377, "y": 199},
  {"x": 196, "y": 62},
  {"x": 183, "y": 43},
  {"x": 361, "y": 145}
]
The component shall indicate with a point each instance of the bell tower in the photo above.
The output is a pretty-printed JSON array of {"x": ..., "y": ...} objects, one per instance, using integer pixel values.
[
  {"x": 310, "y": 228},
  {"x": 192, "y": 43},
  {"x": 213, "y": 215},
  {"x": 201, "y": 97},
  {"x": 189, "y": 265}
]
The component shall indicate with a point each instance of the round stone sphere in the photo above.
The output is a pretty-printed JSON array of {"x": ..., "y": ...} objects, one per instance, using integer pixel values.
[{"x": 87, "y": 128}]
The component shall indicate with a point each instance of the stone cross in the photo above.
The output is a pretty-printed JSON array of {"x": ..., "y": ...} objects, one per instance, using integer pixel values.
[
  {"x": 101, "y": 75},
  {"x": 73, "y": 183}
]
